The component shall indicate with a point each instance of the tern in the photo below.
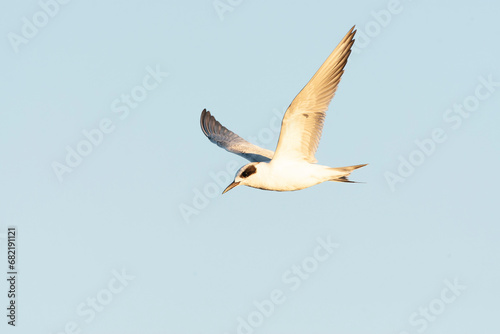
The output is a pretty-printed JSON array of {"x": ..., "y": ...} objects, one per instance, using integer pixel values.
[{"x": 293, "y": 165}]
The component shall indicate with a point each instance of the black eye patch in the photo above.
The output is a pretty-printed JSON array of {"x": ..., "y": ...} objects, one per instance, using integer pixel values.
[{"x": 249, "y": 171}]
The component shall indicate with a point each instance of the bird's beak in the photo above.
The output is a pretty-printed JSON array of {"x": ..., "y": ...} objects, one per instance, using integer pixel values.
[{"x": 231, "y": 186}]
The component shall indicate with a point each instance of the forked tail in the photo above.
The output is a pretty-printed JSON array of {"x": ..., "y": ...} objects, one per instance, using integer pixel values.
[{"x": 340, "y": 174}]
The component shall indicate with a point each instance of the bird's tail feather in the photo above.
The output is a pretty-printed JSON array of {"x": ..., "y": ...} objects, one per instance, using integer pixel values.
[{"x": 341, "y": 174}]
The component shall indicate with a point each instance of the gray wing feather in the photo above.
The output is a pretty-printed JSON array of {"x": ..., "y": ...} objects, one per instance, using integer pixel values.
[{"x": 230, "y": 141}]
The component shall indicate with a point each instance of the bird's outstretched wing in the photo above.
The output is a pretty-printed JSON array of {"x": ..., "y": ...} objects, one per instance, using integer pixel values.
[
  {"x": 230, "y": 141},
  {"x": 303, "y": 121}
]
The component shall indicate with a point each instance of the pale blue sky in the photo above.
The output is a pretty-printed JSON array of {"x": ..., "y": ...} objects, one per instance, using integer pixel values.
[{"x": 119, "y": 213}]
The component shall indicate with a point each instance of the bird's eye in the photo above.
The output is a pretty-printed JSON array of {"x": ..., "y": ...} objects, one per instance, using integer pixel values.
[{"x": 249, "y": 171}]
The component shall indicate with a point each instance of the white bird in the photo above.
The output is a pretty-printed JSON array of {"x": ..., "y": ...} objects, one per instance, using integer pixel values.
[{"x": 292, "y": 166}]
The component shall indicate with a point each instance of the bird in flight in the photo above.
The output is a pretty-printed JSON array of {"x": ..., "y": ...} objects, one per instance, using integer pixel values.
[{"x": 292, "y": 166}]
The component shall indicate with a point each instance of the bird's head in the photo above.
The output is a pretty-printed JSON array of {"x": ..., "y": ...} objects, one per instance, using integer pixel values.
[{"x": 243, "y": 176}]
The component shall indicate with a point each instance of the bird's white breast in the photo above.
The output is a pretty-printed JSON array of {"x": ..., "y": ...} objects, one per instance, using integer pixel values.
[{"x": 288, "y": 175}]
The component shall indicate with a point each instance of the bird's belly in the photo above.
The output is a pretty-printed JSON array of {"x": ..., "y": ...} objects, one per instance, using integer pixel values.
[
  {"x": 292, "y": 177},
  {"x": 289, "y": 184}
]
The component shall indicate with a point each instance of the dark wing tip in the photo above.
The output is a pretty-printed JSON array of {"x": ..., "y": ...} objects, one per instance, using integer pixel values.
[
  {"x": 204, "y": 122},
  {"x": 209, "y": 125}
]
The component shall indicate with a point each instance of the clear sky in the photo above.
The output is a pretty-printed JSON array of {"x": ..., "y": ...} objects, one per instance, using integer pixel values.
[{"x": 115, "y": 191}]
